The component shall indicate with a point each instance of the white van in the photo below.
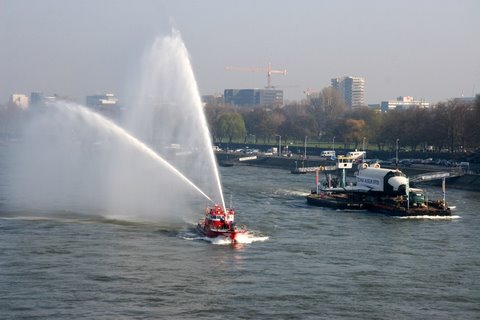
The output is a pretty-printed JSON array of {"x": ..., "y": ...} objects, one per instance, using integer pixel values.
[
  {"x": 328, "y": 154},
  {"x": 356, "y": 154}
]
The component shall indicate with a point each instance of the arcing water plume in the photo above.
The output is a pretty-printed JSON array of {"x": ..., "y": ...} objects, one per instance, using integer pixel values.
[
  {"x": 72, "y": 159},
  {"x": 68, "y": 161},
  {"x": 111, "y": 127},
  {"x": 169, "y": 114}
]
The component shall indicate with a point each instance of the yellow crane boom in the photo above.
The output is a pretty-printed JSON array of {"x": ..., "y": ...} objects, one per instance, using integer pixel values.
[{"x": 268, "y": 70}]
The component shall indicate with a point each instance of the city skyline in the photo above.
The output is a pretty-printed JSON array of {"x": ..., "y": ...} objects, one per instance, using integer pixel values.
[{"x": 425, "y": 50}]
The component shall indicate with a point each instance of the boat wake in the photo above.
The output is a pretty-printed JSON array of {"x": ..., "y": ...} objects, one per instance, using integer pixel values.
[
  {"x": 245, "y": 238},
  {"x": 250, "y": 237},
  {"x": 286, "y": 192},
  {"x": 430, "y": 217}
]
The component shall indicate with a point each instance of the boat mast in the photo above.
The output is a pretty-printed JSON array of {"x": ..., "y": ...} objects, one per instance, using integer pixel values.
[
  {"x": 343, "y": 180},
  {"x": 443, "y": 191},
  {"x": 344, "y": 162},
  {"x": 407, "y": 191}
]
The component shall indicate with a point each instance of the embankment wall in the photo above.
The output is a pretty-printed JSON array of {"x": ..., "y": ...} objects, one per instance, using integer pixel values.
[{"x": 470, "y": 182}]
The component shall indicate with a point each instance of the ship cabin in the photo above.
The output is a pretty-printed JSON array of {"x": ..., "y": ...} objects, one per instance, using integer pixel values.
[
  {"x": 216, "y": 216},
  {"x": 416, "y": 197},
  {"x": 345, "y": 162}
]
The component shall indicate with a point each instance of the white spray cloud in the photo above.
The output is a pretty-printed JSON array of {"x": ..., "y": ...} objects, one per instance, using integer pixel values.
[{"x": 72, "y": 159}]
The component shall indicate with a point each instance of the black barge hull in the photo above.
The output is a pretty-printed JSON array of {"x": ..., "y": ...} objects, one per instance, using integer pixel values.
[
  {"x": 335, "y": 203},
  {"x": 409, "y": 212},
  {"x": 355, "y": 203}
]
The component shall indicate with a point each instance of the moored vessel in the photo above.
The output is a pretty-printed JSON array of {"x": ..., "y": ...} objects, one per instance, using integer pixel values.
[
  {"x": 220, "y": 222},
  {"x": 413, "y": 204},
  {"x": 380, "y": 190}
]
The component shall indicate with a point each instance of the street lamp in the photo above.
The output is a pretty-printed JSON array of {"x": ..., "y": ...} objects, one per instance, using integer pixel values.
[
  {"x": 396, "y": 152},
  {"x": 333, "y": 144},
  {"x": 279, "y": 143},
  {"x": 305, "y": 148},
  {"x": 363, "y": 148}
]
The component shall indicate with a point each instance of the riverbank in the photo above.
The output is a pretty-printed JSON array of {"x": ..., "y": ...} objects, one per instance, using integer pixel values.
[{"x": 468, "y": 181}]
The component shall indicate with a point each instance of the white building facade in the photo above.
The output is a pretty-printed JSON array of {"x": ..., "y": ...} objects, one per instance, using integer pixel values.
[
  {"x": 19, "y": 101},
  {"x": 352, "y": 89},
  {"x": 403, "y": 103}
]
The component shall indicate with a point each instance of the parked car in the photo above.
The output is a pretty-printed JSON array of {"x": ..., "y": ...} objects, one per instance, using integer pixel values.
[{"x": 405, "y": 162}]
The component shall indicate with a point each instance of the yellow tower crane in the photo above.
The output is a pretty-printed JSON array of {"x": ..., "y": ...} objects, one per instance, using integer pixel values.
[{"x": 268, "y": 70}]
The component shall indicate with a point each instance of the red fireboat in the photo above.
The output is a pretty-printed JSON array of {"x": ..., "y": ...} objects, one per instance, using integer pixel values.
[{"x": 220, "y": 223}]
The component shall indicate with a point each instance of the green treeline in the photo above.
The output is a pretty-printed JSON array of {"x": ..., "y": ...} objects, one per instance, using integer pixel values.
[{"x": 453, "y": 125}]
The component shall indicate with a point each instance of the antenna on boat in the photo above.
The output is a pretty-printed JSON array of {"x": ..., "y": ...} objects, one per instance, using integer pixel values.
[
  {"x": 443, "y": 191},
  {"x": 407, "y": 191}
]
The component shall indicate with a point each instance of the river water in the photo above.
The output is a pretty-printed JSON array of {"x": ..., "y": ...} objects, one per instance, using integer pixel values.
[{"x": 308, "y": 262}]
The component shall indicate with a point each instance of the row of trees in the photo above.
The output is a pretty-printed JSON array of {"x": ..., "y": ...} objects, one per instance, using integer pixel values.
[{"x": 452, "y": 125}]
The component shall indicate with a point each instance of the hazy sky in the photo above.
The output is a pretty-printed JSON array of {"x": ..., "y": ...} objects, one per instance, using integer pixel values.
[{"x": 427, "y": 49}]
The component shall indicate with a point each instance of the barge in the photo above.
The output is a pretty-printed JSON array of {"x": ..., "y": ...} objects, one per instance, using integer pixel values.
[{"x": 376, "y": 189}]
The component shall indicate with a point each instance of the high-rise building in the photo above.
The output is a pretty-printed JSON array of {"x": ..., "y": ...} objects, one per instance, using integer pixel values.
[
  {"x": 352, "y": 89},
  {"x": 254, "y": 97}
]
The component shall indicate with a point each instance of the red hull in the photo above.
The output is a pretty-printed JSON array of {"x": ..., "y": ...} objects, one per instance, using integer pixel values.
[{"x": 214, "y": 233}]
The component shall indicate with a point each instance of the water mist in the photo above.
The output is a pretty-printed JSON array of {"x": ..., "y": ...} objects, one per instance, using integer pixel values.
[
  {"x": 169, "y": 115},
  {"x": 72, "y": 159}
]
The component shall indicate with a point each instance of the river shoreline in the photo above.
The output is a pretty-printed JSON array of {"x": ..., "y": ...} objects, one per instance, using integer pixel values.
[{"x": 467, "y": 181}]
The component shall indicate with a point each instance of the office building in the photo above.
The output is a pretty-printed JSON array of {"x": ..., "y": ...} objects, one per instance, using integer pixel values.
[
  {"x": 352, "y": 89},
  {"x": 254, "y": 97},
  {"x": 403, "y": 103}
]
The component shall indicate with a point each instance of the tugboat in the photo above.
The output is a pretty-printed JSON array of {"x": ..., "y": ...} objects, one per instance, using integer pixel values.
[{"x": 220, "y": 222}]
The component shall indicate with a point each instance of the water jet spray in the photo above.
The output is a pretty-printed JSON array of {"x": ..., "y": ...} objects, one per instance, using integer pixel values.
[
  {"x": 168, "y": 110},
  {"x": 112, "y": 127}
]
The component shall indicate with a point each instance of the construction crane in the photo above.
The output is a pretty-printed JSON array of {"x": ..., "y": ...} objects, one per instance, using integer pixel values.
[{"x": 268, "y": 70}]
